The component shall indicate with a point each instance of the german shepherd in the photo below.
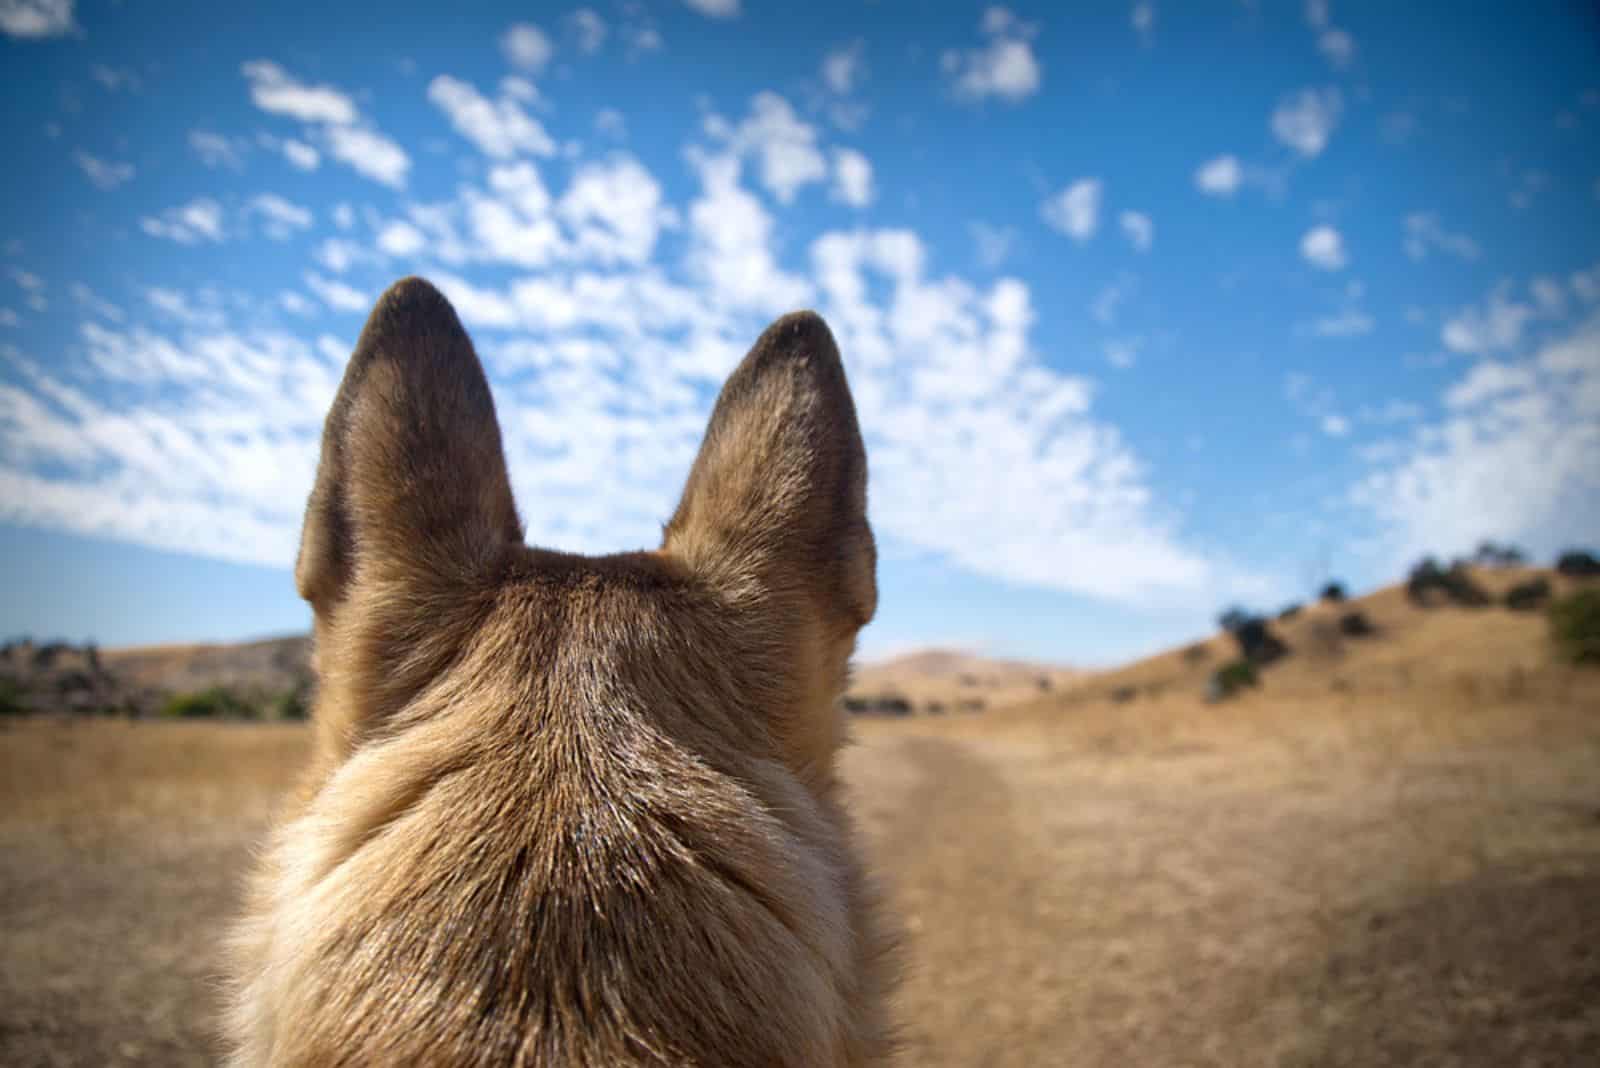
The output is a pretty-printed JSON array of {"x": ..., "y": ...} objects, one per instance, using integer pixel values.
[{"x": 570, "y": 810}]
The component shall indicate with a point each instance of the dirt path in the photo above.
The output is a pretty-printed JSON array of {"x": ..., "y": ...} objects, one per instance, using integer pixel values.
[{"x": 1210, "y": 908}]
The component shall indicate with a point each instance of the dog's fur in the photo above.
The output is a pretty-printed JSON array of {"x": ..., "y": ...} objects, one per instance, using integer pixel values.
[{"x": 567, "y": 810}]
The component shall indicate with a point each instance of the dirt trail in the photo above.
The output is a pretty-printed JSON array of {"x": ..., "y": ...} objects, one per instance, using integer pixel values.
[{"x": 1225, "y": 908}]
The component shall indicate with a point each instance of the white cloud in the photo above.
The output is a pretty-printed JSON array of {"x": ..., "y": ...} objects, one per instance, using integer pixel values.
[
  {"x": 296, "y": 304},
  {"x": 1110, "y": 298},
  {"x": 1143, "y": 19},
  {"x": 1516, "y": 458},
  {"x": 1323, "y": 247},
  {"x": 1338, "y": 46},
  {"x": 614, "y": 211},
  {"x": 1122, "y": 353},
  {"x": 612, "y": 123},
  {"x": 732, "y": 248},
  {"x": 1586, "y": 284},
  {"x": 401, "y": 239},
  {"x": 32, "y": 285},
  {"x": 36, "y": 18},
  {"x": 1351, "y": 322},
  {"x": 333, "y": 114},
  {"x": 1075, "y": 211},
  {"x": 1423, "y": 233},
  {"x": 216, "y": 150},
  {"x": 501, "y": 129},
  {"x": 841, "y": 68},
  {"x": 852, "y": 177},
  {"x": 336, "y": 294},
  {"x": 210, "y": 447},
  {"x": 200, "y": 310},
  {"x": 1335, "y": 426},
  {"x": 589, "y": 28},
  {"x": 281, "y": 217},
  {"x": 87, "y": 299},
  {"x": 369, "y": 153},
  {"x": 1495, "y": 327},
  {"x": 277, "y": 92},
  {"x": 994, "y": 243},
  {"x": 339, "y": 255},
  {"x": 301, "y": 155},
  {"x": 1317, "y": 14},
  {"x": 188, "y": 224},
  {"x": 526, "y": 47},
  {"x": 105, "y": 174},
  {"x": 479, "y": 308},
  {"x": 1138, "y": 229},
  {"x": 1005, "y": 67},
  {"x": 1219, "y": 177},
  {"x": 116, "y": 79},
  {"x": 1304, "y": 121},
  {"x": 344, "y": 216},
  {"x": 1549, "y": 295},
  {"x": 716, "y": 9},
  {"x": 782, "y": 144}
]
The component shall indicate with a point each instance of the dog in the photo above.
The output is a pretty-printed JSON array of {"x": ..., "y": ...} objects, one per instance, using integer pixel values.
[{"x": 571, "y": 810}]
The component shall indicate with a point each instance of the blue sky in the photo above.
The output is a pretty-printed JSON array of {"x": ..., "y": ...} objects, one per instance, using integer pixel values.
[{"x": 1148, "y": 308}]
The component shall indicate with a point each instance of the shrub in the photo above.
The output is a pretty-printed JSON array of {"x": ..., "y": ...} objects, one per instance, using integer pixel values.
[
  {"x": 1578, "y": 563},
  {"x": 215, "y": 703},
  {"x": 1333, "y": 592},
  {"x": 289, "y": 705},
  {"x": 1195, "y": 653},
  {"x": 1257, "y": 643},
  {"x": 1124, "y": 694},
  {"x": 1230, "y": 678},
  {"x": 1289, "y": 611},
  {"x": 11, "y": 699},
  {"x": 1356, "y": 625},
  {"x": 1575, "y": 626},
  {"x": 1491, "y": 554},
  {"x": 1454, "y": 584},
  {"x": 1526, "y": 596}
]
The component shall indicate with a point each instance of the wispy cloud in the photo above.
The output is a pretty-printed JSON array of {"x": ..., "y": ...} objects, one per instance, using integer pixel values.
[
  {"x": 36, "y": 18},
  {"x": 332, "y": 118},
  {"x": 1323, "y": 247},
  {"x": 501, "y": 128},
  {"x": 1075, "y": 211},
  {"x": 1220, "y": 177},
  {"x": 526, "y": 47},
  {"x": 1305, "y": 121},
  {"x": 104, "y": 174},
  {"x": 1005, "y": 67},
  {"x": 188, "y": 224}
]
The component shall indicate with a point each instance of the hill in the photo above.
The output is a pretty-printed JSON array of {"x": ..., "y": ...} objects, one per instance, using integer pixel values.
[
  {"x": 935, "y": 681},
  {"x": 1411, "y": 647}
]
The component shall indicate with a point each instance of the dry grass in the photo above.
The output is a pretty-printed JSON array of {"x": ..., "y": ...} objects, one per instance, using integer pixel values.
[{"x": 1402, "y": 870}]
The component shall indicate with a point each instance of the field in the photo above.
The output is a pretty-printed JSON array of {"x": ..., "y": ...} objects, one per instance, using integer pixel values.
[{"x": 1389, "y": 854}]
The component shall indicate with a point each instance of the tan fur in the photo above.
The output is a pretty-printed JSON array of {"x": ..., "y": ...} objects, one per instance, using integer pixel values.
[{"x": 568, "y": 810}]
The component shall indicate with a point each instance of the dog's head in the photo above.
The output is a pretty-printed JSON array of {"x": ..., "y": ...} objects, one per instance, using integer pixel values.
[
  {"x": 573, "y": 809},
  {"x": 411, "y": 532}
]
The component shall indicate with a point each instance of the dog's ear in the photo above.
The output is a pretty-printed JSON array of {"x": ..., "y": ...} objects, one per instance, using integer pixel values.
[
  {"x": 774, "y": 514},
  {"x": 411, "y": 501}
]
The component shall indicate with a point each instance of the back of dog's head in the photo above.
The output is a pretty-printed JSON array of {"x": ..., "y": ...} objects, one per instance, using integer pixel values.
[{"x": 570, "y": 810}]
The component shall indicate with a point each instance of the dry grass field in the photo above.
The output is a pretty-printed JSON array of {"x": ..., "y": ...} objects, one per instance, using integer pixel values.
[{"x": 1389, "y": 854}]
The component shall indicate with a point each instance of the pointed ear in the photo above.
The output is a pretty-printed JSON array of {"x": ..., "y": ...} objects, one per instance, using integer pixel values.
[
  {"x": 775, "y": 510},
  {"x": 411, "y": 495}
]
